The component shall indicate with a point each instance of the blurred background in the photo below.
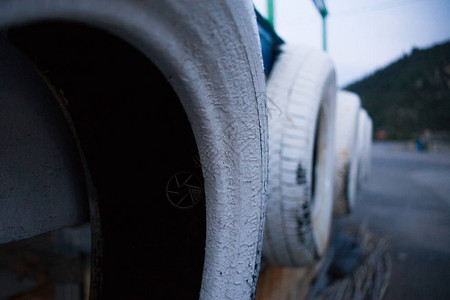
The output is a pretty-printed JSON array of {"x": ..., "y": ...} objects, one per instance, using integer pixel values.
[
  {"x": 396, "y": 56},
  {"x": 393, "y": 54},
  {"x": 362, "y": 35}
]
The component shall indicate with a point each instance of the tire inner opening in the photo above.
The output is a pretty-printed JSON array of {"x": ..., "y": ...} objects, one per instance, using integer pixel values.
[{"x": 135, "y": 136}]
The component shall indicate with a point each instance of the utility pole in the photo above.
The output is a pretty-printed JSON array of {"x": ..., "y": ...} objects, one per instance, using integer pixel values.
[
  {"x": 324, "y": 30},
  {"x": 270, "y": 12},
  {"x": 320, "y": 4}
]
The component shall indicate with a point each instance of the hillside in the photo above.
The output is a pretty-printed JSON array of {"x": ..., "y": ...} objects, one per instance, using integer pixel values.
[{"x": 410, "y": 95}]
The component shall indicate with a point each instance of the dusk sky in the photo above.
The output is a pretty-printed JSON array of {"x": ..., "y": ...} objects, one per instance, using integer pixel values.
[{"x": 363, "y": 35}]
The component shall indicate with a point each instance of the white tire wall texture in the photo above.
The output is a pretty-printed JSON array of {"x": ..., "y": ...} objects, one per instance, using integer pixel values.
[
  {"x": 346, "y": 156},
  {"x": 301, "y": 97},
  {"x": 214, "y": 63}
]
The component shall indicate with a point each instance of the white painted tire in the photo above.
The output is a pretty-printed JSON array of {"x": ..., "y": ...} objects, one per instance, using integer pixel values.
[
  {"x": 368, "y": 151},
  {"x": 213, "y": 61},
  {"x": 362, "y": 146},
  {"x": 365, "y": 147},
  {"x": 301, "y": 91},
  {"x": 346, "y": 156}
]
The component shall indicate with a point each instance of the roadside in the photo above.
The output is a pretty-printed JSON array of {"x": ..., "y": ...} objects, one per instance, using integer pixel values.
[{"x": 407, "y": 200}]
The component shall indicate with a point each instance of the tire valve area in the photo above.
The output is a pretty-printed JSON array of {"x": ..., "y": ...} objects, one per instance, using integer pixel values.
[{"x": 184, "y": 190}]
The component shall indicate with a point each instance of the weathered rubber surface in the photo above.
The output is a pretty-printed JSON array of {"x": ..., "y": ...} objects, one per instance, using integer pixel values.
[
  {"x": 346, "y": 159},
  {"x": 300, "y": 88},
  {"x": 210, "y": 53}
]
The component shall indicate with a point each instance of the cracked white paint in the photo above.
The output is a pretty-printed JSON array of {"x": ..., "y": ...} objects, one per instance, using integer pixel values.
[{"x": 210, "y": 53}]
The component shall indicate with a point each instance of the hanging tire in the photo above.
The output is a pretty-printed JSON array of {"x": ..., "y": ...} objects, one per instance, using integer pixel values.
[
  {"x": 362, "y": 146},
  {"x": 365, "y": 146},
  {"x": 369, "y": 135},
  {"x": 346, "y": 156},
  {"x": 301, "y": 91},
  {"x": 213, "y": 64}
]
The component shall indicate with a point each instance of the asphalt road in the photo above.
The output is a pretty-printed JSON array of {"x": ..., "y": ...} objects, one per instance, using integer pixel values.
[{"x": 407, "y": 199}]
